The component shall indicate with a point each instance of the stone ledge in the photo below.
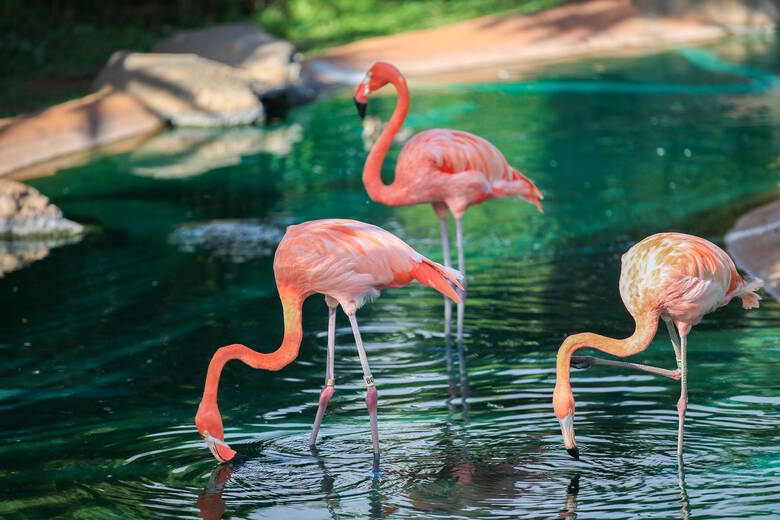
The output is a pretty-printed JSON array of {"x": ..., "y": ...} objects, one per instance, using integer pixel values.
[
  {"x": 754, "y": 243},
  {"x": 71, "y": 127}
]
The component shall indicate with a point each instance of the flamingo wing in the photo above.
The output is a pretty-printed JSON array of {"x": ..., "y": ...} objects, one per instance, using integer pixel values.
[
  {"x": 429, "y": 161},
  {"x": 685, "y": 276},
  {"x": 351, "y": 261}
]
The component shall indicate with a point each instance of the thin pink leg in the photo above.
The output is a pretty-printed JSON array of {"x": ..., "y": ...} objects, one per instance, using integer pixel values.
[
  {"x": 330, "y": 381},
  {"x": 461, "y": 261},
  {"x": 445, "y": 245},
  {"x": 682, "y": 403},
  {"x": 582, "y": 362},
  {"x": 371, "y": 394}
]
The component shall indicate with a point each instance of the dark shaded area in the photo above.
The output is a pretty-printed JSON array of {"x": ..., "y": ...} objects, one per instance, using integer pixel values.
[{"x": 50, "y": 51}]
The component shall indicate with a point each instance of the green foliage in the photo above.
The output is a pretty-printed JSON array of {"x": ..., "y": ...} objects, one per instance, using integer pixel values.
[
  {"x": 51, "y": 51},
  {"x": 314, "y": 26}
]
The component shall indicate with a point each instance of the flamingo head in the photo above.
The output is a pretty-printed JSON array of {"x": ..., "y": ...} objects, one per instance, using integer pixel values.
[
  {"x": 528, "y": 191},
  {"x": 209, "y": 424},
  {"x": 379, "y": 75},
  {"x": 563, "y": 403}
]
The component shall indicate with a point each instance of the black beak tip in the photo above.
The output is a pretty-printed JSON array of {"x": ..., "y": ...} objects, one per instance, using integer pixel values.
[
  {"x": 574, "y": 452},
  {"x": 361, "y": 108},
  {"x": 238, "y": 459}
]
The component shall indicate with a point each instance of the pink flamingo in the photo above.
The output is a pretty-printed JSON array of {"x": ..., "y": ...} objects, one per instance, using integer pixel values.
[
  {"x": 449, "y": 169},
  {"x": 347, "y": 261},
  {"x": 676, "y": 277}
]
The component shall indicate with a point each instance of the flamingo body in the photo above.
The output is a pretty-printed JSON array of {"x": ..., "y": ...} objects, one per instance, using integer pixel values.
[
  {"x": 682, "y": 277},
  {"x": 672, "y": 276},
  {"x": 347, "y": 261},
  {"x": 351, "y": 262},
  {"x": 457, "y": 169}
]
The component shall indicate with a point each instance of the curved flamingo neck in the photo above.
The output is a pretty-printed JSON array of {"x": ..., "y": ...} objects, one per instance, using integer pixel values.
[
  {"x": 285, "y": 354},
  {"x": 646, "y": 326},
  {"x": 372, "y": 171}
]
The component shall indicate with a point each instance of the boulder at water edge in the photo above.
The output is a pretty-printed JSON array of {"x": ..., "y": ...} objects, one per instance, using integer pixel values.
[
  {"x": 272, "y": 63},
  {"x": 25, "y": 213},
  {"x": 185, "y": 89}
]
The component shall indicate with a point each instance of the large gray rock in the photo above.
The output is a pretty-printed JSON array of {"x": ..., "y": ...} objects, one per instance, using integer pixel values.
[
  {"x": 25, "y": 213},
  {"x": 185, "y": 89},
  {"x": 273, "y": 63}
]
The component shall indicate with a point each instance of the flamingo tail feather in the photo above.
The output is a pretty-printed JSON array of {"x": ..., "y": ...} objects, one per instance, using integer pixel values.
[{"x": 435, "y": 275}]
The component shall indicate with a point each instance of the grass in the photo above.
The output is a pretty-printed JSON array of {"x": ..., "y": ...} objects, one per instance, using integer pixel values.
[
  {"x": 314, "y": 28},
  {"x": 49, "y": 57}
]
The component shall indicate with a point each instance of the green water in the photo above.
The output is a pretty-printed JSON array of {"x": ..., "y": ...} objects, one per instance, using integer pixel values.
[{"x": 105, "y": 343}]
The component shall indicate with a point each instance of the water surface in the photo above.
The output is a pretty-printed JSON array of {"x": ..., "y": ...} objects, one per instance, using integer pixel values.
[{"x": 106, "y": 342}]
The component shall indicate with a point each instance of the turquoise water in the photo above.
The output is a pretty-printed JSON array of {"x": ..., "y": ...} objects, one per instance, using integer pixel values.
[{"x": 106, "y": 342}]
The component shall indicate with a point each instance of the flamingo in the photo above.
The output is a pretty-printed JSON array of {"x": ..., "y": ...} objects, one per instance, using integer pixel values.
[
  {"x": 673, "y": 276},
  {"x": 347, "y": 261},
  {"x": 449, "y": 169}
]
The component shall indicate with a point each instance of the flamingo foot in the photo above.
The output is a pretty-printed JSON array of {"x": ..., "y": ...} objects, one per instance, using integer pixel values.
[
  {"x": 375, "y": 468},
  {"x": 325, "y": 395},
  {"x": 676, "y": 374}
]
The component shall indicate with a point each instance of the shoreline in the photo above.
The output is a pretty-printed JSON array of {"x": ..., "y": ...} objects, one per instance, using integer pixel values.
[{"x": 482, "y": 49}]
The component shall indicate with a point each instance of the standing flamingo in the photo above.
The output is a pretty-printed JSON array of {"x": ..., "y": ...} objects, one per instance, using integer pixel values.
[
  {"x": 676, "y": 277},
  {"x": 347, "y": 261},
  {"x": 449, "y": 169}
]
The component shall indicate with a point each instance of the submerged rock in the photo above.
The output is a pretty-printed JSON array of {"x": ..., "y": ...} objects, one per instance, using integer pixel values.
[
  {"x": 236, "y": 240},
  {"x": 185, "y": 89},
  {"x": 24, "y": 212}
]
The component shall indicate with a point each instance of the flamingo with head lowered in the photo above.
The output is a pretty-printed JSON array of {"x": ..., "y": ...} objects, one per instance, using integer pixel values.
[
  {"x": 672, "y": 276},
  {"x": 449, "y": 169},
  {"x": 347, "y": 261}
]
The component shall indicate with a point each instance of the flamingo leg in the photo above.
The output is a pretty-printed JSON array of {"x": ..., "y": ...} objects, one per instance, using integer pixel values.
[
  {"x": 673, "y": 337},
  {"x": 330, "y": 378},
  {"x": 462, "y": 269},
  {"x": 583, "y": 362},
  {"x": 461, "y": 262},
  {"x": 682, "y": 404},
  {"x": 445, "y": 245},
  {"x": 371, "y": 394}
]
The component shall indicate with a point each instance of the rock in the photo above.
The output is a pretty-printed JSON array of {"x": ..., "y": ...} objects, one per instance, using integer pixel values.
[
  {"x": 24, "y": 212},
  {"x": 235, "y": 240},
  {"x": 76, "y": 126},
  {"x": 185, "y": 89},
  {"x": 272, "y": 63},
  {"x": 754, "y": 243},
  {"x": 186, "y": 152},
  {"x": 734, "y": 14}
]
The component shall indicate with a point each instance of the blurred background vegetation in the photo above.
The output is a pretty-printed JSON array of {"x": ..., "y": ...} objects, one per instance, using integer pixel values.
[{"x": 51, "y": 50}]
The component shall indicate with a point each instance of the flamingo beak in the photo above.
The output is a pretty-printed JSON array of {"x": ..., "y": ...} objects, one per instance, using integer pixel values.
[
  {"x": 361, "y": 107},
  {"x": 221, "y": 451},
  {"x": 567, "y": 430}
]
